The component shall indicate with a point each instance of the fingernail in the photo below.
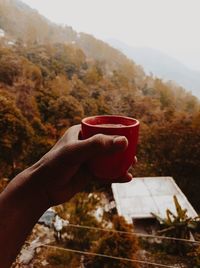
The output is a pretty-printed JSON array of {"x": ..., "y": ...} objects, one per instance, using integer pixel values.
[{"x": 120, "y": 142}]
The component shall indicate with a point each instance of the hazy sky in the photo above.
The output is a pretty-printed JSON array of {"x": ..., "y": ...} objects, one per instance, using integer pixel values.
[{"x": 172, "y": 26}]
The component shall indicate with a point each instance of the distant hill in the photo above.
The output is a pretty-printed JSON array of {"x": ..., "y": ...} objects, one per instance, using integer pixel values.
[
  {"x": 21, "y": 22},
  {"x": 24, "y": 24},
  {"x": 161, "y": 65},
  {"x": 51, "y": 77}
]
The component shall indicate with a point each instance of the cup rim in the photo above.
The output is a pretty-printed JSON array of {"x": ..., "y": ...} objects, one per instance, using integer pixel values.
[{"x": 135, "y": 121}]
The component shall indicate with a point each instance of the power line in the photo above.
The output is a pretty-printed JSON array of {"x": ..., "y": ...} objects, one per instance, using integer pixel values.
[
  {"x": 133, "y": 233},
  {"x": 108, "y": 256}
]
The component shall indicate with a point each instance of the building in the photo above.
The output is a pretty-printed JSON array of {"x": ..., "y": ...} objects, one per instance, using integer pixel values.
[
  {"x": 136, "y": 200},
  {"x": 48, "y": 218},
  {"x": 2, "y": 33}
]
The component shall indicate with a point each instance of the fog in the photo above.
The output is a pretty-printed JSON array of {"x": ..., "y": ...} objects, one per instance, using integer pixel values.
[{"x": 168, "y": 25}]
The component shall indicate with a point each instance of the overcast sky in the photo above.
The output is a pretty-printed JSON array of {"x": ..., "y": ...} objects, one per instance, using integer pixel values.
[{"x": 173, "y": 26}]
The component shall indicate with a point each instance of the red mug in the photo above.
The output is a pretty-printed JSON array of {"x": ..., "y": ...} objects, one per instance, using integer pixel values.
[{"x": 115, "y": 165}]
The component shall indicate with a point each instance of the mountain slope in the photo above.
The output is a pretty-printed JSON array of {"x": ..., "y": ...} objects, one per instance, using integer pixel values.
[
  {"x": 24, "y": 23},
  {"x": 162, "y": 65}
]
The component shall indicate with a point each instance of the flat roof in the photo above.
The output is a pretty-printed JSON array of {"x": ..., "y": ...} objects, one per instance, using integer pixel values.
[{"x": 142, "y": 196}]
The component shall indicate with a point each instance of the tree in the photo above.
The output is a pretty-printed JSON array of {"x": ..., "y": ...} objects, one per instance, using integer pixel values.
[
  {"x": 166, "y": 94},
  {"x": 178, "y": 225},
  {"x": 79, "y": 90},
  {"x": 80, "y": 210},
  {"x": 41, "y": 142},
  {"x": 115, "y": 244},
  {"x": 15, "y": 134},
  {"x": 25, "y": 100},
  {"x": 67, "y": 111},
  {"x": 90, "y": 107},
  {"x": 93, "y": 75},
  {"x": 173, "y": 149},
  {"x": 46, "y": 97},
  {"x": 69, "y": 58},
  {"x": 10, "y": 67}
]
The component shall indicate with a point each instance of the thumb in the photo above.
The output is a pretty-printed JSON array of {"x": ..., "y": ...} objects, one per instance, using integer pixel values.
[{"x": 96, "y": 145}]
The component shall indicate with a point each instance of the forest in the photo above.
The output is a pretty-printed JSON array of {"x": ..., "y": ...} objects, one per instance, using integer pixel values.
[
  {"x": 47, "y": 88},
  {"x": 51, "y": 78}
]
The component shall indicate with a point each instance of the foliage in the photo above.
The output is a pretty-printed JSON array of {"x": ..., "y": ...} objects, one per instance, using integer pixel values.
[
  {"x": 10, "y": 67},
  {"x": 3, "y": 184},
  {"x": 56, "y": 86},
  {"x": 59, "y": 258},
  {"x": 178, "y": 226},
  {"x": 51, "y": 77},
  {"x": 15, "y": 133},
  {"x": 115, "y": 244},
  {"x": 81, "y": 211},
  {"x": 89, "y": 210},
  {"x": 179, "y": 156},
  {"x": 195, "y": 257}
]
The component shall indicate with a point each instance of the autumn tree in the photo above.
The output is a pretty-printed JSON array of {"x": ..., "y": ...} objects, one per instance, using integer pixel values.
[
  {"x": 45, "y": 98},
  {"x": 80, "y": 210},
  {"x": 174, "y": 149},
  {"x": 15, "y": 134},
  {"x": 10, "y": 67},
  {"x": 93, "y": 75},
  {"x": 25, "y": 100},
  {"x": 79, "y": 90},
  {"x": 66, "y": 112},
  {"x": 45, "y": 136},
  {"x": 90, "y": 107},
  {"x": 69, "y": 58},
  {"x": 124, "y": 245}
]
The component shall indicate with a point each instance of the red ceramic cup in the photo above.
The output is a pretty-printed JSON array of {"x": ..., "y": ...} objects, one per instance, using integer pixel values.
[{"x": 115, "y": 165}]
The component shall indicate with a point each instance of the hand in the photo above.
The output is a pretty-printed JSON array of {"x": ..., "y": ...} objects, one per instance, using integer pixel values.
[
  {"x": 62, "y": 171},
  {"x": 54, "y": 179}
]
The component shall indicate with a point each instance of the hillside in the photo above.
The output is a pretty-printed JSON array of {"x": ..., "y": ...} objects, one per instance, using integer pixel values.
[
  {"x": 50, "y": 79},
  {"x": 53, "y": 77},
  {"x": 23, "y": 23},
  {"x": 20, "y": 22},
  {"x": 161, "y": 65}
]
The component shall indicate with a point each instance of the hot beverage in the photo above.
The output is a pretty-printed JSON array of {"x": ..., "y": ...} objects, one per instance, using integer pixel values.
[
  {"x": 115, "y": 165},
  {"x": 110, "y": 125}
]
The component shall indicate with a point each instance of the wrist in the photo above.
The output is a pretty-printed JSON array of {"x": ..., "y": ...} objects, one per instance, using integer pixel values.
[
  {"x": 26, "y": 190},
  {"x": 21, "y": 205}
]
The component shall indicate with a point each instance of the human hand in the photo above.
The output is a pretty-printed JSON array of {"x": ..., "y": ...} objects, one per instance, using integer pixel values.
[
  {"x": 54, "y": 179},
  {"x": 62, "y": 172}
]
